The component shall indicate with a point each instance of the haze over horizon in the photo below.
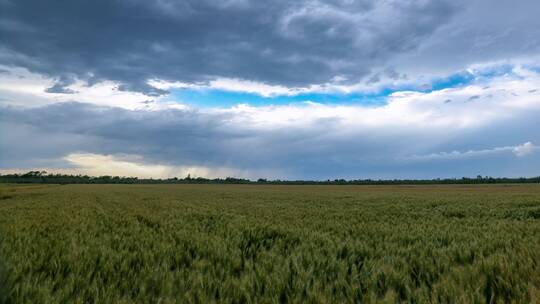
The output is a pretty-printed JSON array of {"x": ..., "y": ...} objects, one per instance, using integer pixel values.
[{"x": 308, "y": 89}]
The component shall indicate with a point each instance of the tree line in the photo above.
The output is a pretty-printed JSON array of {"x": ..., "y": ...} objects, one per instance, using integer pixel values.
[{"x": 42, "y": 177}]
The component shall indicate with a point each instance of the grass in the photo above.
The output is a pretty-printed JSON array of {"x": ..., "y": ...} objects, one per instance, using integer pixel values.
[{"x": 269, "y": 244}]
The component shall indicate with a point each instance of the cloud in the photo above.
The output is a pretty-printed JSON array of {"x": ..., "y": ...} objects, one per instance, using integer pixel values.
[
  {"x": 519, "y": 151},
  {"x": 482, "y": 33},
  {"x": 525, "y": 149},
  {"x": 278, "y": 43},
  {"x": 261, "y": 89},
  {"x": 20, "y": 87}
]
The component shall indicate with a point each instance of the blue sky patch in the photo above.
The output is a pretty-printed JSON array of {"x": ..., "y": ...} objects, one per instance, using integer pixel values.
[{"x": 222, "y": 98}]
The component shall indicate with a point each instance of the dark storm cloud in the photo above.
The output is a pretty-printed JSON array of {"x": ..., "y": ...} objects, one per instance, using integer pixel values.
[
  {"x": 171, "y": 136},
  {"x": 292, "y": 43}
]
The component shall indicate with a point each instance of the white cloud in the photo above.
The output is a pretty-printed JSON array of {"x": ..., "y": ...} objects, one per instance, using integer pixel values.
[
  {"x": 525, "y": 149},
  {"x": 20, "y": 87},
  {"x": 519, "y": 150},
  {"x": 262, "y": 89},
  {"x": 476, "y": 105}
]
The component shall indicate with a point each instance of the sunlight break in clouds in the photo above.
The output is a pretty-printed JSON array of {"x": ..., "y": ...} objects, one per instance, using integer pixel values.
[{"x": 134, "y": 165}]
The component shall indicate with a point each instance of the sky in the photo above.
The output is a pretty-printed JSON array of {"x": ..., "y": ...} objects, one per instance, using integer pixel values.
[{"x": 306, "y": 89}]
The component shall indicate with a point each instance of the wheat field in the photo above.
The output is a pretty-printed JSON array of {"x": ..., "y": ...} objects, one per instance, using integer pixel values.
[{"x": 269, "y": 244}]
